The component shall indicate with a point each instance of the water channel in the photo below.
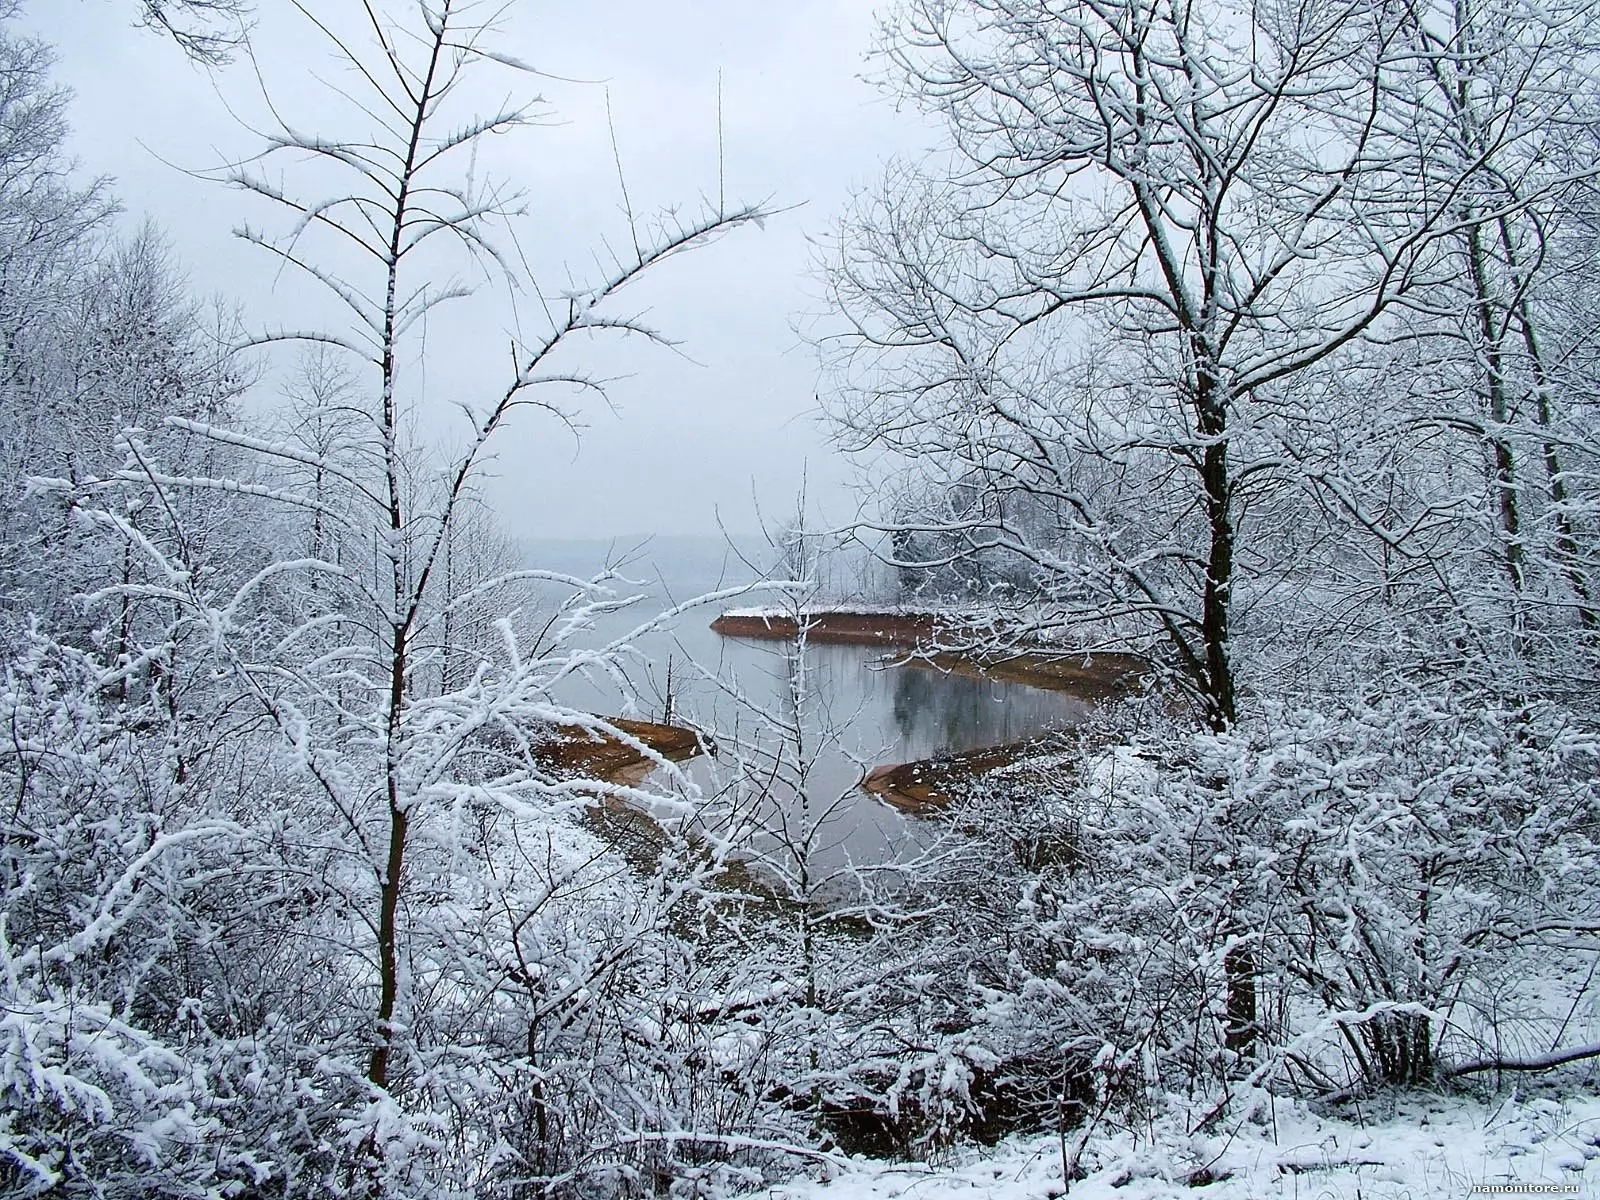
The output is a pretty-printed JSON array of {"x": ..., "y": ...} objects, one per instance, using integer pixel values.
[{"x": 862, "y": 708}]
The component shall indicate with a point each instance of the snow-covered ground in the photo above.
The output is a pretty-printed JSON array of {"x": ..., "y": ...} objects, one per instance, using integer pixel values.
[{"x": 1406, "y": 1150}]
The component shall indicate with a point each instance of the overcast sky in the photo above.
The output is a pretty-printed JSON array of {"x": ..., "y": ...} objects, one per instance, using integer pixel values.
[{"x": 689, "y": 439}]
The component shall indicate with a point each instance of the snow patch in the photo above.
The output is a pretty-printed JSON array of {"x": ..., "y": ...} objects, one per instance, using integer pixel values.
[{"x": 1419, "y": 1146}]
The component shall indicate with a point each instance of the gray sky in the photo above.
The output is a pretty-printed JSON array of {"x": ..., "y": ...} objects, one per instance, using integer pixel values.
[{"x": 689, "y": 438}]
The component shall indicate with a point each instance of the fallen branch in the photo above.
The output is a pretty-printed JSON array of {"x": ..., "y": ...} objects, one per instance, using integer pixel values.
[{"x": 1541, "y": 1062}]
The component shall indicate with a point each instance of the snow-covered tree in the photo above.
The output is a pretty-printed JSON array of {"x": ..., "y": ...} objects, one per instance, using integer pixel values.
[
  {"x": 1155, "y": 326},
  {"x": 1127, "y": 332},
  {"x": 469, "y": 944}
]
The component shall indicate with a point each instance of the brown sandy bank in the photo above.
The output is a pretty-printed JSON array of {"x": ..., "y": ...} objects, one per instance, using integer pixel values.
[
  {"x": 913, "y": 633},
  {"x": 836, "y": 626},
  {"x": 1104, "y": 674},
  {"x": 597, "y": 755},
  {"x": 920, "y": 788}
]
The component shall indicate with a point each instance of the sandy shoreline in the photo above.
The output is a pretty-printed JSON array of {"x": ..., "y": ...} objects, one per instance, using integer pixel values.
[
  {"x": 598, "y": 755},
  {"x": 922, "y": 786}
]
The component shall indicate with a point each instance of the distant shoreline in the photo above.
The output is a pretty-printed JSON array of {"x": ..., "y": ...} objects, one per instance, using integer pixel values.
[
  {"x": 1098, "y": 674},
  {"x": 923, "y": 786}
]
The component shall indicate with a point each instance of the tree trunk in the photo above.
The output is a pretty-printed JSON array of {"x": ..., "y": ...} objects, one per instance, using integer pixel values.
[
  {"x": 1505, "y": 481},
  {"x": 1555, "y": 480},
  {"x": 1241, "y": 1016},
  {"x": 391, "y": 881}
]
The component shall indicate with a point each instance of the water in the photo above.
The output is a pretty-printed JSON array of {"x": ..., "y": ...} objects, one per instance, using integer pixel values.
[{"x": 859, "y": 710}]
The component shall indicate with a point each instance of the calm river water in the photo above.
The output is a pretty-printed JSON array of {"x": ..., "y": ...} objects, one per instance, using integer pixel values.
[{"x": 861, "y": 710}]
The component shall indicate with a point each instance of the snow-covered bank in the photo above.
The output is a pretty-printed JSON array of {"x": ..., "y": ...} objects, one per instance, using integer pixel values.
[{"x": 1421, "y": 1146}]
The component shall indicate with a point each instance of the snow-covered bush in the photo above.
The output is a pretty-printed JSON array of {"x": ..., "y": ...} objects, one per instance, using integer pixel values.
[
  {"x": 1320, "y": 899},
  {"x": 107, "y": 953},
  {"x": 1420, "y": 858}
]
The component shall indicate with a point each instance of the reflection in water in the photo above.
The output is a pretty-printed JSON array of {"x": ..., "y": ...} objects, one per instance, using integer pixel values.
[
  {"x": 882, "y": 711},
  {"x": 935, "y": 710},
  {"x": 859, "y": 712}
]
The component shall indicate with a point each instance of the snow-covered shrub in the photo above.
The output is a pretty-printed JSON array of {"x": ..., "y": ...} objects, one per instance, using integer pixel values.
[
  {"x": 1319, "y": 899},
  {"x": 1424, "y": 853},
  {"x": 103, "y": 1087}
]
